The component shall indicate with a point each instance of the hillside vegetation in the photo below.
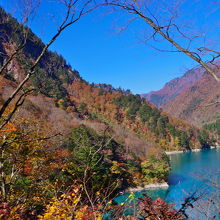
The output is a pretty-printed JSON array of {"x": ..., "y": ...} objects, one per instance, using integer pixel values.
[
  {"x": 194, "y": 97},
  {"x": 73, "y": 146}
]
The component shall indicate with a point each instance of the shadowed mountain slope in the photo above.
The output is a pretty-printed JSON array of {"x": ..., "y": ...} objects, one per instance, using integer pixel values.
[{"x": 191, "y": 97}]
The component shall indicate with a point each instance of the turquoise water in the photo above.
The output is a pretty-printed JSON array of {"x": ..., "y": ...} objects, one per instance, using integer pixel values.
[
  {"x": 199, "y": 173},
  {"x": 193, "y": 173}
]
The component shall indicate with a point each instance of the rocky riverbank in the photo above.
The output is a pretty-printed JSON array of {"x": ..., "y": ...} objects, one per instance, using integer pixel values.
[
  {"x": 147, "y": 187},
  {"x": 192, "y": 150}
]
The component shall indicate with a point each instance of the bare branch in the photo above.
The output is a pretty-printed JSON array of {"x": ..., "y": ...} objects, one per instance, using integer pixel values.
[
  {"x": 68, "y": 21},
  {"x": 205, "y": 49},
  {"x": 158, "y": 29},
  {"x": 18, "y": 103},
  {"x": 213, "y": 103}
]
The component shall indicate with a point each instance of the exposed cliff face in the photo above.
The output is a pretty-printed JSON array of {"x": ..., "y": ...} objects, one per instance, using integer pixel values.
[{"x": 189, "y": 97}]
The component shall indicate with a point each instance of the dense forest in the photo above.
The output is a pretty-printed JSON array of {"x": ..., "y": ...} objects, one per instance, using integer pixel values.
[
  {"x": 73, "y": 146},
  {"x": 213, "y": 127}
]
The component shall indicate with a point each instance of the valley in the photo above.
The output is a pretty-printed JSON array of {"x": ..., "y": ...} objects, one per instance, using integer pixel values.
[{"x": 70, "y": 149}]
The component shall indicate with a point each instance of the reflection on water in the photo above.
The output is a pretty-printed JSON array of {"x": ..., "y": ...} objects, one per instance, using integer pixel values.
[{"x": 175, "y": 179}]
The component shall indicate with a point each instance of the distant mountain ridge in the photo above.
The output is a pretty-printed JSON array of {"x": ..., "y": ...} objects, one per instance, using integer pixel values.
[
  {"x": 173, "y": 88},
  {"x": 189, "y": 97},
  {"x": 196, "y": 103}
]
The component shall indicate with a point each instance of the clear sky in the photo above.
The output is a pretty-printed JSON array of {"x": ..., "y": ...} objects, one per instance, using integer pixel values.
[{"x": 101, "y": 55}]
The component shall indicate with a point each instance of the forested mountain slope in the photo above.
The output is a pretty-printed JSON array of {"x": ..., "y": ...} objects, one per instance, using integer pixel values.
[
  {"x": 57, "y": 83},
  {"x": 174, "y": 88},
  {"x": 196, "y": 104},
  {"x": 193, "y": 97},
  {"x": 72, "y": 146}
]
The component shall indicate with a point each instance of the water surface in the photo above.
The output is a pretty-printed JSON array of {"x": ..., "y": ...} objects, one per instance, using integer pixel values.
[
  {"x": 192, "y": 173},
  {"x": 196, "y": 173}
]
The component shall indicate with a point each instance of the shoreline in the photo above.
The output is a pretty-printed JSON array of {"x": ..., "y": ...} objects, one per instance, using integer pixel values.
[
  {"x": 147, "y": 187},
  {"x": 165, "y": 184},
  {"x": 193, "y": 150}
]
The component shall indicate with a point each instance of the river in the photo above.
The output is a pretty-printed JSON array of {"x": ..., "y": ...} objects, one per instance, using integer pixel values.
[{"x": 191, "y": 173}]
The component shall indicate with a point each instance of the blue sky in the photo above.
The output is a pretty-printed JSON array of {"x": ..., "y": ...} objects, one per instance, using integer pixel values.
[{"x": 101, "y": 55}]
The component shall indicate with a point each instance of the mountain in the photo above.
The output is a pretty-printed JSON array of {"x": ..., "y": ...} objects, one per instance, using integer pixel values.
[
  {"x": 174, "y": 88},
  {"x": 69, "y": 96},
  {"x": 190, "y": 97},
  {"x": 196, "y": 104},
  {"x": 73, "y": 146}
]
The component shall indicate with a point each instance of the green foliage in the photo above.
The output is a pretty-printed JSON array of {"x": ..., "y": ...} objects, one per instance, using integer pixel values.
[
  {"x": 84, "y": 143},
  {"x": 184, "y": 140},
  {"x": 23, "y": 183},
  {"x": 89, "y": 159},
  {"x": 204, "y": 139},
  {"x": 48, "y": 86},
  {"x": 95, "y": 162},
  {"x": 157, "y": 122},
  {"x": 51, "y": 75},
  {"x": 52, "y": 71},
  {"x": 126, "y": 101},
  {"x": 133, "y": 108},
  {"x": 162, "y": 124},
  {"x": 213, "y": 127},
  {"x": 144, "y": 113},
  {"x": 132, "y": 104},
  {"x": 155, "y": 169},
  {"x": 172, "y": 130},
  {"x": 105, "y": 88},
  {"x": 134, "y": 165},
  {"x": 83, "y": 107}
]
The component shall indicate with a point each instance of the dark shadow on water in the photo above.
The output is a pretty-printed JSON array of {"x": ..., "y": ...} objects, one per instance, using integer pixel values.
[{"x": 175, "y": 179}]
